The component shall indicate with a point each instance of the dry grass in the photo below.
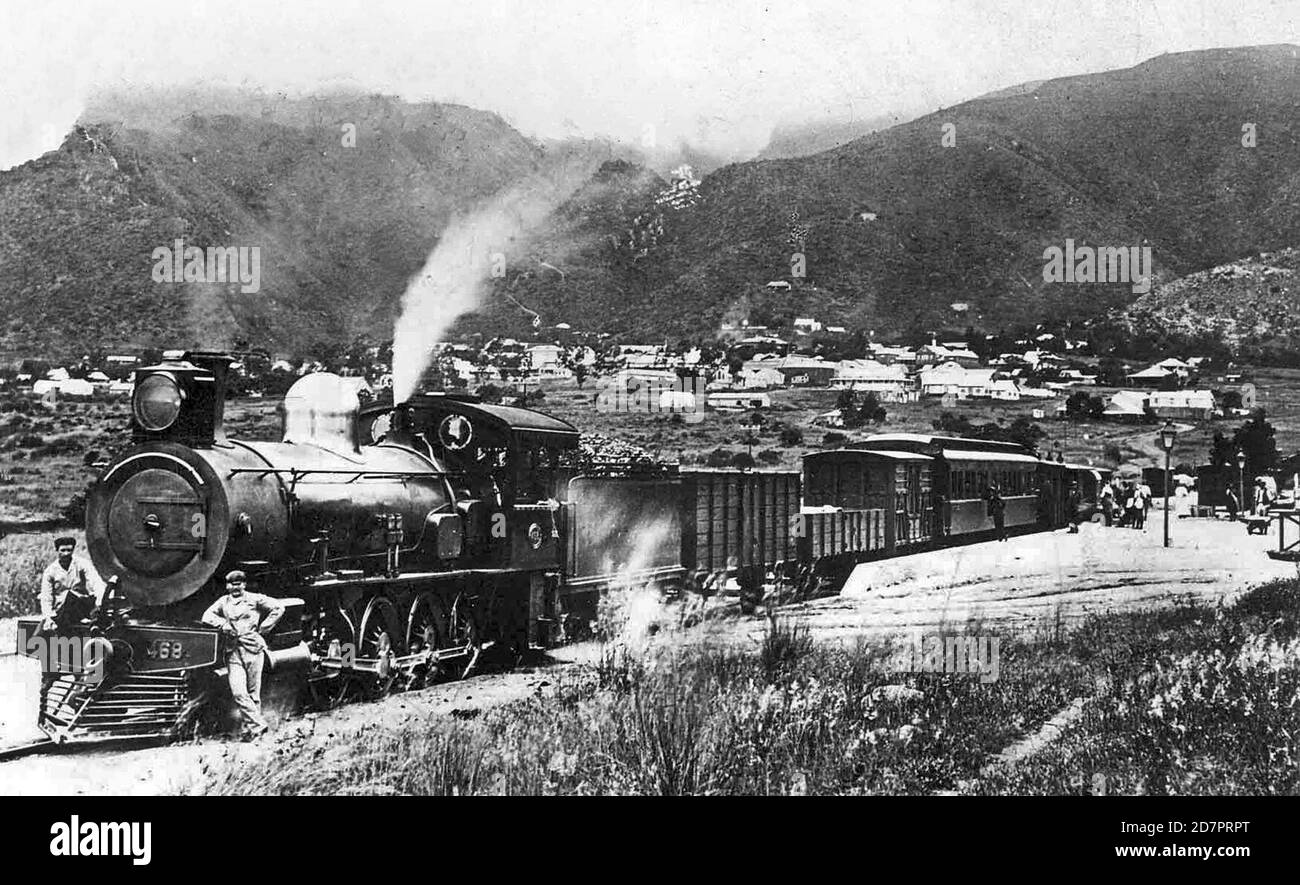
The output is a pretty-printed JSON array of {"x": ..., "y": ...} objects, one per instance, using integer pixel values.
[
  {"x": 22, "y": 559},
  {"x": 1189, "y": 700},
  {"x": 783, "y": 718}
]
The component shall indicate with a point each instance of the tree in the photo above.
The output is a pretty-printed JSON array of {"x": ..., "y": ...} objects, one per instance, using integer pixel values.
[
  {"x": 1025, "y": 432},
  {"x": 489, "y": 393},
  {"x": 720, "y": 458},
  {"x": 956, "y": 425},
  {"x": 1256, "y": 439},
  {"x": 871, "y": 410},
  {"x": 1110, "y": 372},
  {"x": 844, "y": 402},
  {"x": 1076, "y": 404}
]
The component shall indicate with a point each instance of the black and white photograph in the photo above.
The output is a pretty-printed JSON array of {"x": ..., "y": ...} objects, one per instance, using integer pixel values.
[{"x": 651, "y": 398}]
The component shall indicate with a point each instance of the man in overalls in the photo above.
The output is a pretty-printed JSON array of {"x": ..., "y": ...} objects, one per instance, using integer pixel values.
[{"x": 243, "y": 618}]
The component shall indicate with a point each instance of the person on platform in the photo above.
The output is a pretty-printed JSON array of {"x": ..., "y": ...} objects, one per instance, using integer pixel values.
[
  {"x": 1233, "y": 502},
  {"x": 1108, "y": 502},
  {"x": 1263, "y": 500},
  {"x": 1137, "y": 508},
  {"x": 1123, "y": 500},
  {"x": 998, "y": 510},
  {"x": 1072, "y": 501},
  {"x": 69, "y": 587},
  {"x": 243, "y": 618}
]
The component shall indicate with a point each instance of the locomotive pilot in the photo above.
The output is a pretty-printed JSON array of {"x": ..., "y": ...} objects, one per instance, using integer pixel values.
[
  {"x": 243, "y": 618},
  {"x": 69, "y": 586}
]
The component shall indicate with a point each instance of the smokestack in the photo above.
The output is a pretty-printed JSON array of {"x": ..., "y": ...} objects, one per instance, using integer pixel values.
[{"x": 216, "y": 363}]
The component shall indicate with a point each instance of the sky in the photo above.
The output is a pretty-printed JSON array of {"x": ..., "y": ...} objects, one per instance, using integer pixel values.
[{"x": 718, "y": 75}]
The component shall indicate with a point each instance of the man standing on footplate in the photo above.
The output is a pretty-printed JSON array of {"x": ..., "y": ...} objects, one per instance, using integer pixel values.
[{"x": 243, "y": 618}]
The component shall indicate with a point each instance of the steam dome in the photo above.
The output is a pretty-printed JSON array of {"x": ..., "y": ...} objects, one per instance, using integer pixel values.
[{"x": 321, "y": 409}]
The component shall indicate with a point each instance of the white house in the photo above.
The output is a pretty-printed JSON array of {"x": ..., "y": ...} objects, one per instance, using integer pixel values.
[
  {"x": 871, "y": 375},
  {"x": 1127, "y": 404},
  {"x": 738, "y": 402},
  {"x": 1177, "y": 366},
  {"x": 543, "y": 355},
  {"x": 951, "y": 378},
  {"x": 1152, "y": 375},
  {"x": 1004, "y": 389},
  {"x": 1194, "y": 404},
  {"x": 75, "y": 387}
]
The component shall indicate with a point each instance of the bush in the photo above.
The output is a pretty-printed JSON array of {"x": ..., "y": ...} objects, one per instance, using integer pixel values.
[
  {"x": 834, "y": 438},
  {"x": 770, "y": 456},
  {"x": 720, "y": 458},
  {"x": 791, "y": 436},
  {"x": 743, "y": 460}
]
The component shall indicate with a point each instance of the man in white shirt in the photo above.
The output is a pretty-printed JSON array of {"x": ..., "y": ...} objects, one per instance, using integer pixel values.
[{"x": 69, "y": 586}]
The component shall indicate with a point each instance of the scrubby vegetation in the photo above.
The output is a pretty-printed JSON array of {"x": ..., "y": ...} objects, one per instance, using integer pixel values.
[
  {"x": 22, "y": 559},
  {"x": 1190, "y": 700}
]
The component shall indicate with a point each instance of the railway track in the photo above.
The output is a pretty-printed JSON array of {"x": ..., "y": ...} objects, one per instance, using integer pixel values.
[{"x": 27, "y": 749}]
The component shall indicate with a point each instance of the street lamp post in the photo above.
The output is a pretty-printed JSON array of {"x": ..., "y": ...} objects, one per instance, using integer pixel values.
[
  {"x": 1168, "y": 434},
  {"x": 1241, "y": 480}
]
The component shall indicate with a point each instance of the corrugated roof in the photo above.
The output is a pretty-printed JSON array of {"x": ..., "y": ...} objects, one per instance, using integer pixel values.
[{"x": 968, "y": 455}]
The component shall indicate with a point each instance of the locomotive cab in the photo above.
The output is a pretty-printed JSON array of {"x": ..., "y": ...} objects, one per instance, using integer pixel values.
[{"x": 504, "y": 465}]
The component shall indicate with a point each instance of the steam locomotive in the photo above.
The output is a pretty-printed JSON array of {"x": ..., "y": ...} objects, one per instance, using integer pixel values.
[{"x": 408, "y": 539}]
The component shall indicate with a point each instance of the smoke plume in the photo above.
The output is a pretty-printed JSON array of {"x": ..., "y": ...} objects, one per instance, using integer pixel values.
[{"x": 472, "y": 250}]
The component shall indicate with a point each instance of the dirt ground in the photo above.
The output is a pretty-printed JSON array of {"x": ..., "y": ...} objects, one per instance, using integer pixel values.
[{"x": 1024, "y": 586}]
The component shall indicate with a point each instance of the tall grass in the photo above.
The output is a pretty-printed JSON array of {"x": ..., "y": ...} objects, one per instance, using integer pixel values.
[
  {"x": 1191, "y": 700},
  {"x": 1197, "y": 700},
  {"x": 22, "y": 559},
  {"x": 783, "y": 717}
]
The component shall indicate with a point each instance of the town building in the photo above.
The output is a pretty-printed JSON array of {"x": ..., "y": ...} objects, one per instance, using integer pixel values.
[
  {"x": 874, "y": 376},
  {"x": 957, "y": 380},
  {"x": 1197, "y": 405},
  {"x": 1127, "y": 405}
]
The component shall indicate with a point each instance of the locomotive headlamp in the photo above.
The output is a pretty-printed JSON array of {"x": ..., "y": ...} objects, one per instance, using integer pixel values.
[{"x": 157, "y": 402}]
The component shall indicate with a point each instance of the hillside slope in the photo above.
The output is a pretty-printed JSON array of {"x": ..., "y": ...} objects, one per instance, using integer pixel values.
[
  {"x": 341, "y": 227},
  {"x": 1252, "y": 304},
  {"x": 895, "y": 227}
]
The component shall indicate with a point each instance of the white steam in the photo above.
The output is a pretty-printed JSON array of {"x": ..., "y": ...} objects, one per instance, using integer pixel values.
[
  {"x": 634, "y": 609},
  {"x": 472, "y": 250}
]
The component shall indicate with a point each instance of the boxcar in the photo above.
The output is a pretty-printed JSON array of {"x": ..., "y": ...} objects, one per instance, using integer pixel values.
[{"x": 738, "y": 523}]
